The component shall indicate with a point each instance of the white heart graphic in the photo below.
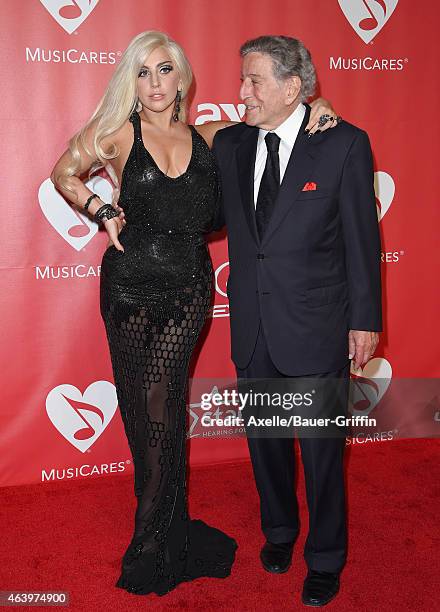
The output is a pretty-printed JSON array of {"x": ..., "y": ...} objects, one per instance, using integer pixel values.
[
  {"x": 76, "y": 228},
  {"x": 368, "y": 385},
  {"x": 82, "y": 419},
  {"x": 384, "y": 188},
  {"x": 69, "y": 13},
  {"x": 367, "y": 17}
]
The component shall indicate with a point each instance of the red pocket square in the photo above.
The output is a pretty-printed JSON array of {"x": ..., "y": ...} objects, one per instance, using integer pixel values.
[{"x": 309, "y": 187}]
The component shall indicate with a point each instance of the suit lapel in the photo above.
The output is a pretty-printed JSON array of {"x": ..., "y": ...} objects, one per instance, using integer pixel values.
[
  {"x": 297, "y": 173},
  {"x": 246, "y": 154}
]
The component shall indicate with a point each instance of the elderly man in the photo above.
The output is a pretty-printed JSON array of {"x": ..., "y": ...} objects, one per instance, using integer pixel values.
[{"x": 304, "y": 286}]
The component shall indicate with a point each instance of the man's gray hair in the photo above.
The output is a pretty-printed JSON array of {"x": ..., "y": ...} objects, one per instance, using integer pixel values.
[{"x": 290, "y": 58}]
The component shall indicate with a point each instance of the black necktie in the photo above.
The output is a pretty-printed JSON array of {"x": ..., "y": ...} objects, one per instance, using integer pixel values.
[{"x": 270, "y": 183}]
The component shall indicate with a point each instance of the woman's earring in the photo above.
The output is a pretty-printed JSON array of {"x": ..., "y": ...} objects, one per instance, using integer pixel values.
[
  {"x": 177, "y": 105},
  {"x": 138, "y": 106}
]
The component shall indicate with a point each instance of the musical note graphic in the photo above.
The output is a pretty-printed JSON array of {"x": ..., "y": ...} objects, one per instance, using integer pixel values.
[
  {"x": 371, "y": 23},
  {"x": 88, "y": 431},
  {"x": 82, "y": 229},
  {"x": 358, "y": 381},
  {"x": 70, "y": 12}
]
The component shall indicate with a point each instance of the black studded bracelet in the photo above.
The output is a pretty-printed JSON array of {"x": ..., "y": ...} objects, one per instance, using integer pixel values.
[
  {"x": 105, "y": 213},
  {"x": 89, "y": 199}
]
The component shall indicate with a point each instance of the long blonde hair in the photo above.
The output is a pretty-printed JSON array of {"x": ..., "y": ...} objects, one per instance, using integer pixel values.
[{"x": 120, "y": 99}]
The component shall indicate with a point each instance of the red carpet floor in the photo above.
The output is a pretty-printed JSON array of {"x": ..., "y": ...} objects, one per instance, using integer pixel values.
[{"x": 71, "y": 536}]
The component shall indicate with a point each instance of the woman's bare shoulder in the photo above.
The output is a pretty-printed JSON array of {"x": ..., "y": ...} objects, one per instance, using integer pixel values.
[{"x": 120, "y": 137}]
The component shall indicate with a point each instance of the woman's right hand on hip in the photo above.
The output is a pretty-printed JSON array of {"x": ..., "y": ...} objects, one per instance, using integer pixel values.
[{"x": 113, "y": 227}]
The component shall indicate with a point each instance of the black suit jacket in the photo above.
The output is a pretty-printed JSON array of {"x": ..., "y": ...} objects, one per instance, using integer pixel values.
[{"x": 316, "y": 272}]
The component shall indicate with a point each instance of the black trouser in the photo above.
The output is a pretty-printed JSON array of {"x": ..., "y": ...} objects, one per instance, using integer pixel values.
[{"x": 273, "y": 462}]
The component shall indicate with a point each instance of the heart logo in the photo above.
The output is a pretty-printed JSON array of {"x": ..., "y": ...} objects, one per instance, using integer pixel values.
[
  {"x": 75, "y": 227},
  {"x": 384, "y": 188},
  {"x": 368, "y": 385},
  {"x": 81, "y": 418},
  {"x": 367, "y": 17},
  {"x": 69, "y": 13}
]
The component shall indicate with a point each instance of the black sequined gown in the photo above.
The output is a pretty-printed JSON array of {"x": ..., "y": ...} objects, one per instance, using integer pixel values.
[{"x": 154, "y": 300}]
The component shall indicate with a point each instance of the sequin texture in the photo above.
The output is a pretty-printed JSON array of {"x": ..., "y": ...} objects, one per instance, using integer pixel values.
[{"x": 154, "y": 300}]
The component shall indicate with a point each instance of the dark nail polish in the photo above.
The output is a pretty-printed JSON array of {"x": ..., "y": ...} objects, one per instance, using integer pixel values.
[{"x": 306, "y": 131}]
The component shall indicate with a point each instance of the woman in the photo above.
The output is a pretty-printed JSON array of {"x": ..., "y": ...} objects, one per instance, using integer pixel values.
[{"x": 156, "y": 279}]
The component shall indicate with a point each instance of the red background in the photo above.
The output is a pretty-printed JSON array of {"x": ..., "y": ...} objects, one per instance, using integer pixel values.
[{"x": 52, "y": 330}]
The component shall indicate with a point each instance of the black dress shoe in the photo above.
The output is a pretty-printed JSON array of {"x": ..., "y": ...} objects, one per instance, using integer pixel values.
[
  {"x": 319, "y": 588},
  {"x": 276, "y": 558}
]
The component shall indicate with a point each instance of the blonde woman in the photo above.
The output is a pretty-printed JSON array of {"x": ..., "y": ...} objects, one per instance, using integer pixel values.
[{"x": 156, "y": 282}]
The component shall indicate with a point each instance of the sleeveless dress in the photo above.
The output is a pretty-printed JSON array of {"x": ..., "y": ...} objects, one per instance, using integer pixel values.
[{"x": 154, "y": 299}]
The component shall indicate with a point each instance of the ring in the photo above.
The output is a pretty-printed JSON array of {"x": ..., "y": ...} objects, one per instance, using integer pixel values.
[
  {"x": 338, "y": 119},
  {"x": 323, "y": 120}
]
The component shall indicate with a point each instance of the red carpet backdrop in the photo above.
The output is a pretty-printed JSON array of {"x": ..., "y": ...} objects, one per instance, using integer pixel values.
[{"x": 377, "y": 62}]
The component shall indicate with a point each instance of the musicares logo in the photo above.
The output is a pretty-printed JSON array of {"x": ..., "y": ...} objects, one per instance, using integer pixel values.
[
  {"x": 76, "y": 228},
  {"x": 82, "y": 417},
  {"x": 367, "y": 17},
  {"x": 368, "y": 385},
  {"x": 70, "y": 14}
]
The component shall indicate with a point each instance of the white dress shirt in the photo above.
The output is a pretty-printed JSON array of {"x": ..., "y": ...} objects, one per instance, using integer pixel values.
[{"x": 287, "y": 131}]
